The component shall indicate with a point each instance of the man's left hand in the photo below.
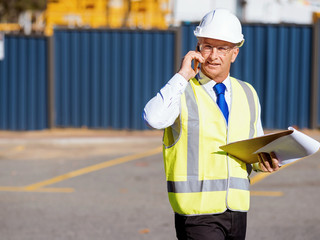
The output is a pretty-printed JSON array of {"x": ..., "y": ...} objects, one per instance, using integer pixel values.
[{"x": 268, "y": 162}]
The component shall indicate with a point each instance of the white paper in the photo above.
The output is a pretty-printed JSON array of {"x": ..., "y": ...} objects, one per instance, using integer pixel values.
[{"x": 291, "y": 147}]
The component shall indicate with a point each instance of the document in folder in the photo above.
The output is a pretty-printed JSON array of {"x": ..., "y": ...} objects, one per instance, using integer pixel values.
[{"x": 289, "y": 145}]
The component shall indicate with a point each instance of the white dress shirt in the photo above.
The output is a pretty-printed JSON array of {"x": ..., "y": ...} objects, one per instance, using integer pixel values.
[{"x": 163, "y": 109}]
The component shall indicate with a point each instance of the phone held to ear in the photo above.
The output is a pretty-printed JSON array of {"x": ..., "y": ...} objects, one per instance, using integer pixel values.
[
  {"x": 196, "y": 62},
  {"x": 195, "y": 65}
]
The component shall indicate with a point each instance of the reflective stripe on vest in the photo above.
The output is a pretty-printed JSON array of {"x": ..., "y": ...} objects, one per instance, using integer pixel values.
[
  {"x": 191, "y": 183},
  {"x": 253, "y": 113}
]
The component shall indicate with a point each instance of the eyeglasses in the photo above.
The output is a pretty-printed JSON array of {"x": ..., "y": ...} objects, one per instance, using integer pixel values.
[{"x": 221, "y": 50}]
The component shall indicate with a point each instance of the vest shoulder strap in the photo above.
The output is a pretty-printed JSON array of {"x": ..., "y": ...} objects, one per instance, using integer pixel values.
[{"x": 253, "y": 103}]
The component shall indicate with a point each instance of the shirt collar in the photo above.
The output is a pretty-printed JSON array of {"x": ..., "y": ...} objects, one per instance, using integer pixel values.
[{"x": 203, "y": 79}]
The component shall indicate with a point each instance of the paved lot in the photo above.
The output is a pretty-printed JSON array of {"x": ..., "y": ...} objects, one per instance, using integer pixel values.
[{"x": 82, "y": 184}]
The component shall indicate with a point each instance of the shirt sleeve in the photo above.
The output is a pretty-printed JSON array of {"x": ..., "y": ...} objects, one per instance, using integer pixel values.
[{"x": 163, "y": 109}]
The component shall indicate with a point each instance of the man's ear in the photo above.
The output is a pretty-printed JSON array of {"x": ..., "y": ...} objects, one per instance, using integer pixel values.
[{"x": 234, "y": 54}]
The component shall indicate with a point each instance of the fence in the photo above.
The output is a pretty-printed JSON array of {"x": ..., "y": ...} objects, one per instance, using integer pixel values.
[{"x": 103, "y": 78}]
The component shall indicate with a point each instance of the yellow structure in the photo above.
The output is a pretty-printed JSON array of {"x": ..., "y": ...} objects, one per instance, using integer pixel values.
[
  {"x": 149, "y": 14},
  {"x": 10, "y": 27},
  {"x": 144, "y": 14}
]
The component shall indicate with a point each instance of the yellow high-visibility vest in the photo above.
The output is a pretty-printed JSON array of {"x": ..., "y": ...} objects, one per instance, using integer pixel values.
[{"x": 201, "y": 178}]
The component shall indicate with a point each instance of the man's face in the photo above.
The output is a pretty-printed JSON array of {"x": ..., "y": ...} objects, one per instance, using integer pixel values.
[{"x": 218, "y": 57}]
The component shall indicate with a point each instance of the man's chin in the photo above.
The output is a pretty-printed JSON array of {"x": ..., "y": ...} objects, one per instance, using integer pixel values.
[{"x": 210, "y": 73}]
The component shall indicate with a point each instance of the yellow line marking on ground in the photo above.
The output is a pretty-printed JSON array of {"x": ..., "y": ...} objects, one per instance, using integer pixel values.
[
  {"x": 266, "y": 193},
  {"x": 38, "y": 187},
  {"x": 19, "y": 148},
  {"x": 23, "y": 189},
  {"x": 12, "y": 189},
  {"x": 92, "y": 168}
]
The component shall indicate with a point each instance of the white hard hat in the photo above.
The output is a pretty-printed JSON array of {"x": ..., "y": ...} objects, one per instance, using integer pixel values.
[{"x": 221, "y": 24}]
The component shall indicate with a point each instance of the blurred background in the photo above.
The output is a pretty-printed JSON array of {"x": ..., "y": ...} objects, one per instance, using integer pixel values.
[{"x": 95, "y": 63}]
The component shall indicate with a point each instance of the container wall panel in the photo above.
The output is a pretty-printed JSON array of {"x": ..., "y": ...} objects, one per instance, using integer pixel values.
[
  {"x": 316, "y": 74},
  {"x": 23, "y": 84},
  {"x": 276, "y": 60},
  {"x": 104, "y": 78}
]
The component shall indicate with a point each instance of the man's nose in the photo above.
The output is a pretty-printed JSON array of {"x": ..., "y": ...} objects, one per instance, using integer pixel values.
[{"x": 214, "y": 53}]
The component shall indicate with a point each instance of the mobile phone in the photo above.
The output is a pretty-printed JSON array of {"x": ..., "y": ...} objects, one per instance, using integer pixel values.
[
  {"x": 196, "y": 62},
  {"x": 195, "y": 65}
]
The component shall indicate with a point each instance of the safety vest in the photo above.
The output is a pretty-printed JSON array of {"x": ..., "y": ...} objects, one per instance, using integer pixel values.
[{"x": 201, "y": 178}]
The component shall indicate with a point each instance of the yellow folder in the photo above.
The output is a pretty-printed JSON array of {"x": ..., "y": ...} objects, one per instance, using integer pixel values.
[
  {"x": 289, "y": 145},
  {"x": 245, "y": 150}
]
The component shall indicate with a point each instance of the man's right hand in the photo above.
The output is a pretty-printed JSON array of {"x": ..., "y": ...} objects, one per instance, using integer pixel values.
[
  {"x": 268, "y": 162},
  {"x": 186, "y": 69}
]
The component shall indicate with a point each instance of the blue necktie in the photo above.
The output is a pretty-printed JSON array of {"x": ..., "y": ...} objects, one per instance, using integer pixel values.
[{"x": 220, "y": 88}]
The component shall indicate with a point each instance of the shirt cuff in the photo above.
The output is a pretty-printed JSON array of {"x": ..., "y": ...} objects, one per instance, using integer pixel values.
[{"x": 178, "y": 82}]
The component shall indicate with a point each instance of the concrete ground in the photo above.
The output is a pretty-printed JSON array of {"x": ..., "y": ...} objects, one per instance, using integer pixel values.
[{"x": 103, "y": 184}]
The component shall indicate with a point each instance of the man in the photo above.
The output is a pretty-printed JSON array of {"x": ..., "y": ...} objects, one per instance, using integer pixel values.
[{"x": 201, "y": 110}]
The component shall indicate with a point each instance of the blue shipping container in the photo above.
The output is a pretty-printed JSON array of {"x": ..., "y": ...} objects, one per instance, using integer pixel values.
[
  {"x": 103, "y": 78},
  {"x": 23, "y": 84}
]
